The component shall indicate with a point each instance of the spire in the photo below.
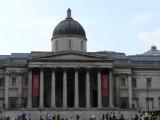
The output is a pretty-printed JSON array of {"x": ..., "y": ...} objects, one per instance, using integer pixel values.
[{"x": 69, "y": 13}]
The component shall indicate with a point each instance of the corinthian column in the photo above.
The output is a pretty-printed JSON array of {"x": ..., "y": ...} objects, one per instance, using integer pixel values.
[
  {"x": 130, "y": 91},
  {"x": 29, "y": 100},
  {"x": 41, "y": 100},
  {"x": 6, "y": 90},
  {"x": 64, "y": 88},
  {"x": 110, "y": 88},
  {"x": 20, "y": 87},
  {"x": 76, "y": 88},
  {"x": 53, "y": 89},
  {"x": 87, "y": 89},
  {"x": 99, "y": 90}
]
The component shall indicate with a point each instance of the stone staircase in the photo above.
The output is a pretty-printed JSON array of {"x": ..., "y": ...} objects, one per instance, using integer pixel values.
[{"x": 68, "y": 113}]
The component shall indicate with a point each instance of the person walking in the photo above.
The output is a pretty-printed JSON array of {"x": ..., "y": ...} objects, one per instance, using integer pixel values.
[{"x": 41, "y": 117}]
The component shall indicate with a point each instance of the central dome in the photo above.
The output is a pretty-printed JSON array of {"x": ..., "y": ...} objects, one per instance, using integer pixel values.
[
  {"x": 69, "y": 28},
  {"x": 69, "y": 35}
]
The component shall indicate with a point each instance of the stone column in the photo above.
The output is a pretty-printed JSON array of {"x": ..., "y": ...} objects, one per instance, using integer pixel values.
[
  {"x": 110, "y": 88},
  {"x": 29, "y": 100},
  {"x": 41, "y": 98},
  {"x": 76, "y": 90},
  {"x": 53, "y": 100},
  {"x": 87, "y": 89},
  {"x": 117, "y": 90},
  {"x": 99, "y": 90},
  {"x": 64, "y": 88},
  {"x": 6, "y": 90},
  {"x": 129, "y": 91},
  {"x": 20, "y": 85}
]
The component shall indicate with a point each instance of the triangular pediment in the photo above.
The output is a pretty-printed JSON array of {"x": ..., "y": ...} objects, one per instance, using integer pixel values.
[{"x": 69, "y": 56}]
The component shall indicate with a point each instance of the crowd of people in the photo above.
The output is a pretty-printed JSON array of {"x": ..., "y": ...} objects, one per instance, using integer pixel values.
[
  {"x": 106, "y": 116},
  {"x": 22, "y": 116}
]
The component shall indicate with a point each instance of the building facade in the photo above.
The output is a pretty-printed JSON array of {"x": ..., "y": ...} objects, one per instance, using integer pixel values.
[{"x": 71, "y": 77}]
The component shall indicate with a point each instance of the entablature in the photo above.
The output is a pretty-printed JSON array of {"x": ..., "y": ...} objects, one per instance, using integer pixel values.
[
  {"x": 70, "y": 64},
  {"x": 122, "y": 71},
  {"x": 16, "y": 70}
]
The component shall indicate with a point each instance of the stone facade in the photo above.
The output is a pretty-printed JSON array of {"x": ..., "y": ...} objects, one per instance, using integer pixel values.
[{"x": 72, "y": 78}]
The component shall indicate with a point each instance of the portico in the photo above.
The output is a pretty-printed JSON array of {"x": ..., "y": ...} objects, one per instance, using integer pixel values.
[{"x": 69, "y": 85}]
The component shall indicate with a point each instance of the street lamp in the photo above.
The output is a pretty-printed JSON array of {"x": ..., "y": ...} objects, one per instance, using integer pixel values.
[{"x": 159, "y": 102}]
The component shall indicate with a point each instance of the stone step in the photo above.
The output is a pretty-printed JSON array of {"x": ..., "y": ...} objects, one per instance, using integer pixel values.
[{"x": 84, "y": 115}]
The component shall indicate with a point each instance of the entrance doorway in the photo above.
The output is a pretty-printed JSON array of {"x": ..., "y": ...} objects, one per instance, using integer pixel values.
[
  {"x": 47, "y": 88},
  {"x": 94, "y": 98}
]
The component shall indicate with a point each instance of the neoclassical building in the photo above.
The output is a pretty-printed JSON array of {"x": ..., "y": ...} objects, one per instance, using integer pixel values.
[{"x": 71, "y": 77}]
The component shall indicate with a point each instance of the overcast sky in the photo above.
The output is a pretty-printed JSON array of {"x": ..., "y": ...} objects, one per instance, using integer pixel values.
[{"x": 129, "y": 26}]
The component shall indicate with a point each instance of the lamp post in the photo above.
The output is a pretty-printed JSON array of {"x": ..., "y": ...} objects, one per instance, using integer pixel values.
[{"x": 159, "y": 102}]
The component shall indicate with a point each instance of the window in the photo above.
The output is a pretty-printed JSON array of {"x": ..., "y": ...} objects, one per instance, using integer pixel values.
[
  {"x": 134, "y": 82},
  {"x": 82, "y": 45},
  {"x": 25, "y": 81},
  {"x": 13, "y": 102},
  {"x": 135, "y": 103},
  {"x": 13, "y": 83},
  {"x": 1, "y": 82},
  {"x": 56, "y": 45},
  {"x": 24, "y": 102},
  {"x": 148, "y": 82},
  {"x": 70, "y": 44},
  {"x": 123, "y": 82},
  {"x": 150, "y": 104},
  {"x": 123, "y": 102}
]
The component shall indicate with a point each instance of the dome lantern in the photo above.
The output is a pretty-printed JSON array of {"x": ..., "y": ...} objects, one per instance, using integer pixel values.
[{"x": 69, "y": 14}]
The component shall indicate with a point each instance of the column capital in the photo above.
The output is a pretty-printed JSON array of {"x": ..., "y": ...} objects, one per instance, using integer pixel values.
[
  {"x": 129, "y": 75},
  {"x": 53, "y": 68},
  {"x": 7, "y": 73},
  {"x": 88, "y": 68},
  {"x": 76, "y": 68},
  {"x": 65, "y": 68},
  {"x": 99, "y": 69},
  {"x": 110, "y": 69},
  {"x": 29, "y": 68},
  {"x": 41, "y": 68}
]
